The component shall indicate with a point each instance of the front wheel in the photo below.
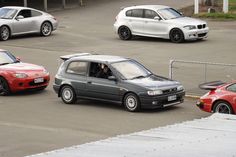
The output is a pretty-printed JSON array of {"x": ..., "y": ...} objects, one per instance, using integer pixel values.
[
  {"x": 68, "y": 95},
  {"x": 4, "y": 33},
  {"x": 222, "y": 107},
  {"x": 46, "y": 29},
  {"x": 4, "y": 88},
  {"x": 124, "y": 33},
  {"x": 176, "y": 35},
  {"x": 131, "y": 102}
]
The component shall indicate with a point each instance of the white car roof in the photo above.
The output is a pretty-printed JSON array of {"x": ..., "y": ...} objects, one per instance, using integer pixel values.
[
  {"x": 153, "y": 7},
  {"x": 19, "y": 8}
]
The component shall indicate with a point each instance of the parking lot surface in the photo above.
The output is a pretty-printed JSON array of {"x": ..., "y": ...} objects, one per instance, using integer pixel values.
[{"x": 36, "y": 122}]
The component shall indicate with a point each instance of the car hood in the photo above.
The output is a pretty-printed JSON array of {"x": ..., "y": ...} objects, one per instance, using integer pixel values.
[
  {"x": 155, "y": 82},
  {"x": 21, "y": 67},
  {"x": 186, "y": 21}
]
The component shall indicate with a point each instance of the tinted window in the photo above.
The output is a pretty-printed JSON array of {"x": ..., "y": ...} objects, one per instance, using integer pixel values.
[
  {"x": 77, "y": 68},
  {"x": 150, "y": 14},
  {"x": 232, "y": 88},
  {"x": 26, "y": 13},
  {"x": 99, "y": 70},
  {"x": 135, "y": 13},
  {"x": 35, "y": 13}
]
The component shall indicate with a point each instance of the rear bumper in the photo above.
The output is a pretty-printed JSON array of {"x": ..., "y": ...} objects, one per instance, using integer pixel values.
[
  {"x": 56, "y": 88},
  {"x": 204, "y": 106},
  {"x": 162, "y": 101}
]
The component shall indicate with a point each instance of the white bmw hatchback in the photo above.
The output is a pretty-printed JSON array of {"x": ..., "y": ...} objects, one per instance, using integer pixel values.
[{"x": 158, "y": 21}]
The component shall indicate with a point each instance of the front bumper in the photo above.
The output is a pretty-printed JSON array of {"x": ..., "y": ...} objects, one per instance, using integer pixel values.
[
  {"x": 204, "y": 106},
  {"x": 20, "y": 84},
  {"x": 196, "y": 34},
  {"x": 162, "y": 100}
]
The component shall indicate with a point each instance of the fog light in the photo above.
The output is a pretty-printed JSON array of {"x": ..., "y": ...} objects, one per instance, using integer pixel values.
[{"x": 154, "y": 102}]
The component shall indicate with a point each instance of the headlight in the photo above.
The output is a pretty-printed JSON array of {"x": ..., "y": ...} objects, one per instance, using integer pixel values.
[
  {"x": 20, "y": 75},
  {"x": 190, "y": 27},
  {"x": 45, "y": 71},
  {"x": 179, "y": 88},
  {"x": 154, "y": 92}
]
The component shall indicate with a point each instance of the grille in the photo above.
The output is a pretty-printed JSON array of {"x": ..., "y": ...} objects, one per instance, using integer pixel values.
[
  {"x": 201, "y": 26},
  {"x": 36, "y": 84},
  {"x": 167, "y": 91},
  {"x": 202, "y": 34}
]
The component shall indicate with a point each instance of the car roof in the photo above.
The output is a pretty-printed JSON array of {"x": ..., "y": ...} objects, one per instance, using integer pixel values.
[
  {"x": 153, "y": 7},
  {"x": 100, "y": 58},
  {"x": 18, "y": 7},
  {"x": 1, "y": 50}
]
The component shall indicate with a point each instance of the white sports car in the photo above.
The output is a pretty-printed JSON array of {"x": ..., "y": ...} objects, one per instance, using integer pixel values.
[
  {"x": 158, "y": 21},
  {"x": 23, "y": 20}
]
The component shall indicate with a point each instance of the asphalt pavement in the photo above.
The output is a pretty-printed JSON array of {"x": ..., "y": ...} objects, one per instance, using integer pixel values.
[{"x": 37, "y": 122}]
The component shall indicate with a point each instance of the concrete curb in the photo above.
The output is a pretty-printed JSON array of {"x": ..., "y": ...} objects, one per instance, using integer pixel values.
[{"x": 192, "y": 96}]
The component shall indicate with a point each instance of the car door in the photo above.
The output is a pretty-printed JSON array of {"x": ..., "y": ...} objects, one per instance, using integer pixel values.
[
  {"x": 232, "y": 95},
  {"x": 76, "y": 73},
  {"x": 153, "y": 26},
  {"x": 26, "y": 24},
  {"x": 135, "y": 20},
  {"x": 101, "y": 88}
]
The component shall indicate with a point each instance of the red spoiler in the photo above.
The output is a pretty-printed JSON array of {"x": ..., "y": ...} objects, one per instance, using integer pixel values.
[{"x": 211, "y": 85}]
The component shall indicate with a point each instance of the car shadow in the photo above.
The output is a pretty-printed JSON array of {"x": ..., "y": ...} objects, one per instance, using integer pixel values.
[
  {"x": 29, "y": 93},
  {"x": 25, "y": 36},
  {"x": 109, "y": 105}
]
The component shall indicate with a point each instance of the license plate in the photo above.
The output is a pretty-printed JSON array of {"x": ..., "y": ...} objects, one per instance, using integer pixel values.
[
  {"x": 38, "y": 80},
  {"x": 172, "y": 98}
]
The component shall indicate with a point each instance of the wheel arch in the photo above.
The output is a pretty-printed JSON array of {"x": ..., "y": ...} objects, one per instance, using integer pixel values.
[
  {"x": 10, "y": 31},
  {"x": 123, "y": 97},
  {"x": 218, "y": 100},
  {"x": 63, "y": 85},
  {"x": 172, "y": 28},
  {"x": 124, "y": 26}
]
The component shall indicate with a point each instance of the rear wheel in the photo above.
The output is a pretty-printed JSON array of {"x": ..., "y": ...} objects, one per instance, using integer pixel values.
[
  {"x": 222, "y": 107},
  {"x": 68, "y": 95},
  {"x": 176, "y": 35},
  {"x": 131, "y": 102},
  {"x": 4, "y": 88},
  {"x": 124, "y": 33},
  {"x": 4, "y": 33},
  {"x": 46, "y": 29}
]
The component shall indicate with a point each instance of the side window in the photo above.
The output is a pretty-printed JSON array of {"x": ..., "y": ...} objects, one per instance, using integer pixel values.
[
  {"x": 232, "y": 88},
  {"x": 26, "y": 13},
  {"x": 35, "y": 13},
  {"x": 99, "y": 70},
  {"x": 150, "y": 14},
  {"x": 135, "y": 13},
  {"x": 77, "y": 67}
]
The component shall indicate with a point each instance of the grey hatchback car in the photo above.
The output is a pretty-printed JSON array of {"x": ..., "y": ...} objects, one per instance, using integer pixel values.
[{"x": 114, "y": 79}]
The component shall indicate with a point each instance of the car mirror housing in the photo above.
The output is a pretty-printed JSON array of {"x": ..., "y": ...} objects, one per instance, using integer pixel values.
[
  {"x": 19, "y": 17},
  {"x": 18, "y": 59},
  {"x": 112, "y": 78},
  {"x": 157, "y": 18}
]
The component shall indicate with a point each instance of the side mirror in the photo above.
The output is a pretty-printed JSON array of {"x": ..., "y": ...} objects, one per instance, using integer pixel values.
[
  {"x": 181, "y": 13},
  {"x": 19, "y": 17},
  {"x": 112, "y": 78},
  {"x": 157, "y": 18}
]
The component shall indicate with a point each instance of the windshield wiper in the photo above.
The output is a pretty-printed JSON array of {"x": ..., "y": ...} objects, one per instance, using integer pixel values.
[
  {"x": 4, "y": 63},
  {"x": 137, "y": 77}
]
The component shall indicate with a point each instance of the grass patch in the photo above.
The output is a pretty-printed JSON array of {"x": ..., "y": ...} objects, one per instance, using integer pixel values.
[{"x": 220, "y": 16}]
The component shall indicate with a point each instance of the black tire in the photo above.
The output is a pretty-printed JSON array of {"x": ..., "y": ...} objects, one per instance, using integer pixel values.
[
  {"x": 222, "y": 107},
  {"x": 131, "y": 102},
  {"x": 176, "y": 35},
  {"x": 4, "y": 33},
  {"x": 46, "y": 29},
  {"x": 124, "y": 33},
  {"x": 4, "y": 87},
  {"x": 68, "y": 95}
]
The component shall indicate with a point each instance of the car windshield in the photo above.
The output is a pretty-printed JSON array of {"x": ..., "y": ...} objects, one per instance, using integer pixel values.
[
  {"x": 169, "y": 13},
  {"x": 7, "y": 13},
  {"x": 131, "y": 69},
  {"x": 6, "y": 58}
]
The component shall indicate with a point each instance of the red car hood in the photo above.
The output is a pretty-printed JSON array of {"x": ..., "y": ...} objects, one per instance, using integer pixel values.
[{"x": 21, "y": 67}]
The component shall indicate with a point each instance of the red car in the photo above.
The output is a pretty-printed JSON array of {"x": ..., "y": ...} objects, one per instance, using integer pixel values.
[
  {"x": 17, "y": 76},
  {"x": 221, "y": 98}
]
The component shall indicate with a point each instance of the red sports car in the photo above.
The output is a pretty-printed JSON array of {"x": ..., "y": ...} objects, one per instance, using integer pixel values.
[
  {"x": 221, "y": 98},
  {"x": 17, "y": 76}
]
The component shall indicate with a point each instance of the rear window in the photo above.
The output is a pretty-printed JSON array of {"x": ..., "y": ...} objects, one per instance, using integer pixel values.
[
  {"x": 232, "y": 88},
  {"x": 135, "y": 13},
  {"x": 77, "y": 67}
]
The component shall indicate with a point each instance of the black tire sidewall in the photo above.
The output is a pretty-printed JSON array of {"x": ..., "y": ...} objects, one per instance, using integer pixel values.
[
  {"x": 181, "y": 35},
  {"x": 119, "y": 33},
  {"x": 8, "y": 89},
  {"x": 226, "y": 103},
  {"x": 1, "y": 33},
  {"x": 73, "y": 99},
  {"x": 137, "y": 107}
]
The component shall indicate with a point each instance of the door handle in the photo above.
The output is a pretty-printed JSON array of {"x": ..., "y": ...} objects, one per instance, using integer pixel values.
[{"x": 89, "y": 82}]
